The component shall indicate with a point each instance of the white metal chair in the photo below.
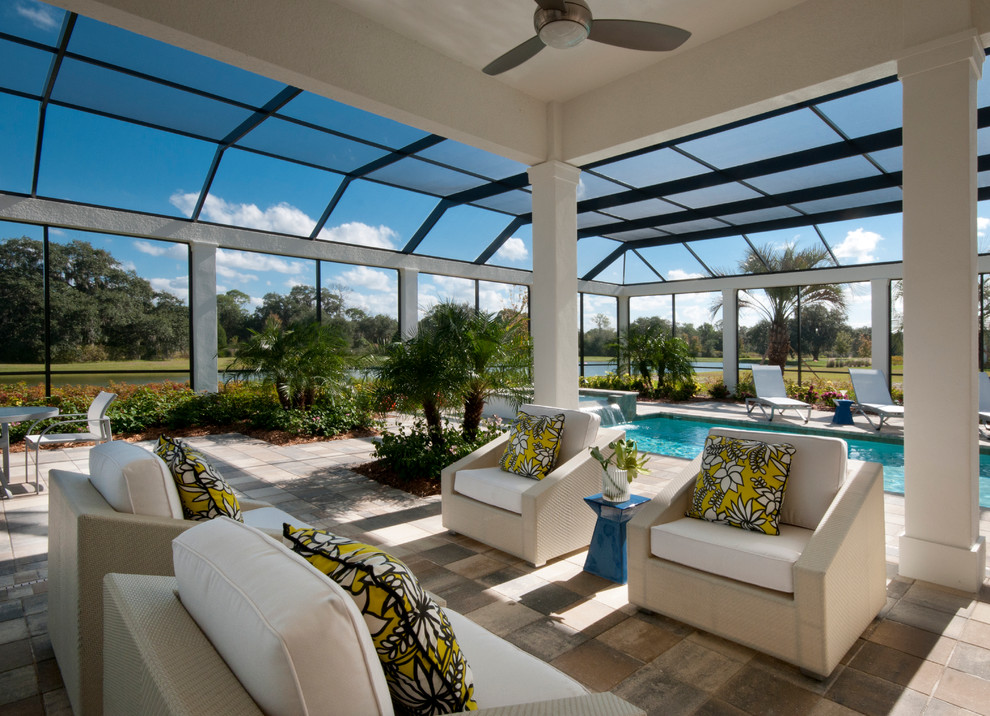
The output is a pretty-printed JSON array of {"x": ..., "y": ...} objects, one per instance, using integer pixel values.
[
  {"x": 98, "y": 431},
  {"x": 873, "y": 396},
  {"x": 770, "y": 392}
]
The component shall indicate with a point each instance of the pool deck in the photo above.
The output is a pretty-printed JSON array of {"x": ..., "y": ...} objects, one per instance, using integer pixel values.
[{"x": 928, "y": 652}]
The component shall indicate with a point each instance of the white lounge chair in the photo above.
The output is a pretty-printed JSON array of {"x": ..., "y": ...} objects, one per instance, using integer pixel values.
[
  {"x": 770, "y": 391},
  {"x": 984, "y": 400},
  {"x": 873, "y": 396}
]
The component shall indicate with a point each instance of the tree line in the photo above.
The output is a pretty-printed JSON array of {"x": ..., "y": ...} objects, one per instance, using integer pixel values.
[{"x": 100, "y": 310}]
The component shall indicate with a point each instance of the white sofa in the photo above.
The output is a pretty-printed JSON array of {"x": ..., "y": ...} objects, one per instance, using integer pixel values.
[
  {"x": 248, "y": 627},
  {"x": 534, "y": 520},
  {"x": 804, "y": 596},
  {"x": 122, "y": 517}
]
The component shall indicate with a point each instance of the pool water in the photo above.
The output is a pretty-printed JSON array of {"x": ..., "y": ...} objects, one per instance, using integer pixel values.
[{"x": 678, "y": 437}]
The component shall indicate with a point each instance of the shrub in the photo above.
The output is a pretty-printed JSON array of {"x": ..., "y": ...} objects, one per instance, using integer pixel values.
[
  {"x": 718, "y": 390},
  {"x": 412, "y": 453},
  {"x": 683, "y": 390}
]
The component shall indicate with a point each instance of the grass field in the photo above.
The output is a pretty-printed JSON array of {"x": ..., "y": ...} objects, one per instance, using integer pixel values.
[{"x": 159, "y": 366}]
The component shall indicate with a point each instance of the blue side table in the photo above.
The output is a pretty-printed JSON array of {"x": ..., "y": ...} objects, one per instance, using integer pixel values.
[
  {"x": 607, "y": 553},
  {"x": 843, "y": 413}
]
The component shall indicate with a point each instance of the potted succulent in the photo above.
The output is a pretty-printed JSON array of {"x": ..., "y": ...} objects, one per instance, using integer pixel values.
[{"x": 620, "y": 468}]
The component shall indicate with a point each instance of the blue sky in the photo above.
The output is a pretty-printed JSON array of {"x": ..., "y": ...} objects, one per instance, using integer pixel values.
[{"x": 92, "y": 159}]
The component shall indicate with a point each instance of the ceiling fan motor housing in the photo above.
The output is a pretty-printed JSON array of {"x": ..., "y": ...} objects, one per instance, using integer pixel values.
[{"x": 563, "y": 29}]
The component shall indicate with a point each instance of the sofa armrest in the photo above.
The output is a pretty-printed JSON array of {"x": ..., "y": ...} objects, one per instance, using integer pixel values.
[
  {"x": 247, "y": 503},
  {"x": 605, "y": 704},
  {"x": 157, "y": 661}
]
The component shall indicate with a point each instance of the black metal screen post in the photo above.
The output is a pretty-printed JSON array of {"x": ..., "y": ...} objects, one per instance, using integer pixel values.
[
  {"x": 319, "y": 291},
  {"x": 798, "y": 317},
  {"x": 48, "y": 313},
  {"x": 983, "y": 317},
  {"x": 477, "y": 296},
  {"x": 890, "y": 331},
  {"x": 581, "y": 334},
  {"x": 673, "y": 315}
]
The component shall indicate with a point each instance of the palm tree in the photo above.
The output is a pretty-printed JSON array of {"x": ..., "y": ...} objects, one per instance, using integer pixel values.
[
  {"x": 651, "y": 350},
  {"x": 491, "y": 354},
  {"x": 778, "y": 303}
]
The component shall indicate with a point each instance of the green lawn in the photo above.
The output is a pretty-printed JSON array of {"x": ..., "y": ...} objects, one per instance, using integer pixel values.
[{"x": 162, "y": 366}]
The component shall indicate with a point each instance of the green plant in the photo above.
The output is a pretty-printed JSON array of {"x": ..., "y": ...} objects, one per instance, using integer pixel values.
[
  {"x": 653, "y": 351},
  {"x": 625, "y": 456},
  {"x": 413, "y": 453},
  {"x": 718, "y": 390}
]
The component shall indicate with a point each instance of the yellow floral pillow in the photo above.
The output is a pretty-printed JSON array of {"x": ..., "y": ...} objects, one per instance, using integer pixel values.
[
  {"x": 741, "y": 483},
  {"x": 203, "y": 492},
  {"x": 423, "y": 664},
  {"x": 534, "y": 444}
]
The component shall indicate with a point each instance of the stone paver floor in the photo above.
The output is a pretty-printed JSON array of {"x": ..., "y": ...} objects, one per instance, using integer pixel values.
[{"x": 928, "y": 652}]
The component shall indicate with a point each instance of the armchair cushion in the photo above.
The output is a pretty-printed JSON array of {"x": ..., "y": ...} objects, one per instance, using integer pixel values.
[
  {"x": 741, "y": 483},
  {"x": 818, "y": 469},
  {"x": 534, "y": 443},
  {"x": 493, "y": 486},
  {"x": 580, "y": 429},
  {"x": 133, "y": 480},
  {"x": 202, "y": 490},
  {"x": 426, "y": 672},
  {"x": 292, "y": 636},
  {"x": 750, "y": 557}
]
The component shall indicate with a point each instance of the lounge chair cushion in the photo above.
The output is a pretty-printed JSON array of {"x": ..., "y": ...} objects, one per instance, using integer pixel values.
[
  {"x": 534, "y": 443},
  {"x": 423, "y": 663},
  {"x": 818, "y": 468},
  {"x": 133, "y": 480},
  {"x": 280, "y": 625},
  {"x": 751, "y": 557},
  {"x": 202, "y": 490},
  {"x": 493, "y": 486},
  {"x": 506, "y": 675},
  {"x": 741, "y": 483}
]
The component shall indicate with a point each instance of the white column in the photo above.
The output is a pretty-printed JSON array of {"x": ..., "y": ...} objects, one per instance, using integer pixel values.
[
  {"x": 941, "y": 541},
  {"x": 730, "y": 338},
  {"x": 622, "y": 329},
  {"x": 554, "y": 291},
  {"x": 880, "y": 322},
  {"x": 408, "y": 302},
  {"x": 203, "y": 302}
]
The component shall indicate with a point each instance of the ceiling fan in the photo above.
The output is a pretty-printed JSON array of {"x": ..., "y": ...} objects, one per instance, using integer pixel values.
[{"x": 566, "y": 23}]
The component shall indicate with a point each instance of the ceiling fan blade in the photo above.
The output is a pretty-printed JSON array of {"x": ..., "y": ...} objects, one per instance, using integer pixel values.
[
  {"x": 515, "y": 57},
  {"x": 638, "y": 35},
  {"x": 552, "y": 5}
]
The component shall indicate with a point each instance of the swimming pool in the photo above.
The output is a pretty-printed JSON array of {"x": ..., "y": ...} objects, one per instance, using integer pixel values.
[{"x": 680, "y": 437}]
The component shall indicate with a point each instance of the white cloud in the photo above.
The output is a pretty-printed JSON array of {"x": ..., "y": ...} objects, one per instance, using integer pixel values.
[
  {"x": 128, "y": 266},
  {"x": 679, "y": 274},
  {"x": 858, "y": 246},
  {"x": 366, "y": 277},
  {"x": 282, "y": 218},
  {"x": 514, "y": 249},
  {"x": 982, "y": 224},
  {"x": 175, "y": 251},
  {"x": 39, "y": 15},
  {"x": 249, "y": 261},
  {"x": 358, "y": 234},
  {"x": 178, "y": 287},
  {"x": 374, "y": 303}
]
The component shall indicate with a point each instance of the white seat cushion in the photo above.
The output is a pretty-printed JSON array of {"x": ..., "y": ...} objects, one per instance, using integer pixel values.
[
  {"x": 134, "y": 480},
  {"x": 270, "y": 519},
  {"x": 293, "y": 637},
  {"x": 752, "y": 557},
  {"x": 494, "y": 487},
  {"x": 505, "y": 675}
]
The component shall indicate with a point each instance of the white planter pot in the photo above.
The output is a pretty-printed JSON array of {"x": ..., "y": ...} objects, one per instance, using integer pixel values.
[{"x": 615, "y": 485}]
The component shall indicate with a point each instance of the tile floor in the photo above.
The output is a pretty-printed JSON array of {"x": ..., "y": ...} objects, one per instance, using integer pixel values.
[{"x": 929, "y": 652}]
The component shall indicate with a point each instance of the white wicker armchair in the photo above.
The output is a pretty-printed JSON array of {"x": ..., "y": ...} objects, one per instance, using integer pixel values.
[
  {"x": 553, "y": 518},
  {"x": 838, "y": 579}
]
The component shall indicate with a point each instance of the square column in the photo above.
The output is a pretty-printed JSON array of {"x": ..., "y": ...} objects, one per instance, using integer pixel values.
[
  {"x": 408, "y": 302},
  {"x": 941, "y": 542},
  {"x": 554, "y": 291},
  {"x": 730, "y": 338},
  {"x": 203, "y": 302},
  {"x": 622, "y": 332}
]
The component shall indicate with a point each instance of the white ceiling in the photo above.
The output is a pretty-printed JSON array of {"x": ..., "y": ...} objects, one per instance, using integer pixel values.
[{"x": 475, "y": 32}]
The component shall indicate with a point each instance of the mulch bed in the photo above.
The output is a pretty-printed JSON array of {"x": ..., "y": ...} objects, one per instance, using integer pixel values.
[{"x": 382, "y": 473}]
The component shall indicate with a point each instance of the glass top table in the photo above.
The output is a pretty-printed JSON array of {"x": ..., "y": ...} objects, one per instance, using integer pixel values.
[{"x": 18, "y": 414}]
